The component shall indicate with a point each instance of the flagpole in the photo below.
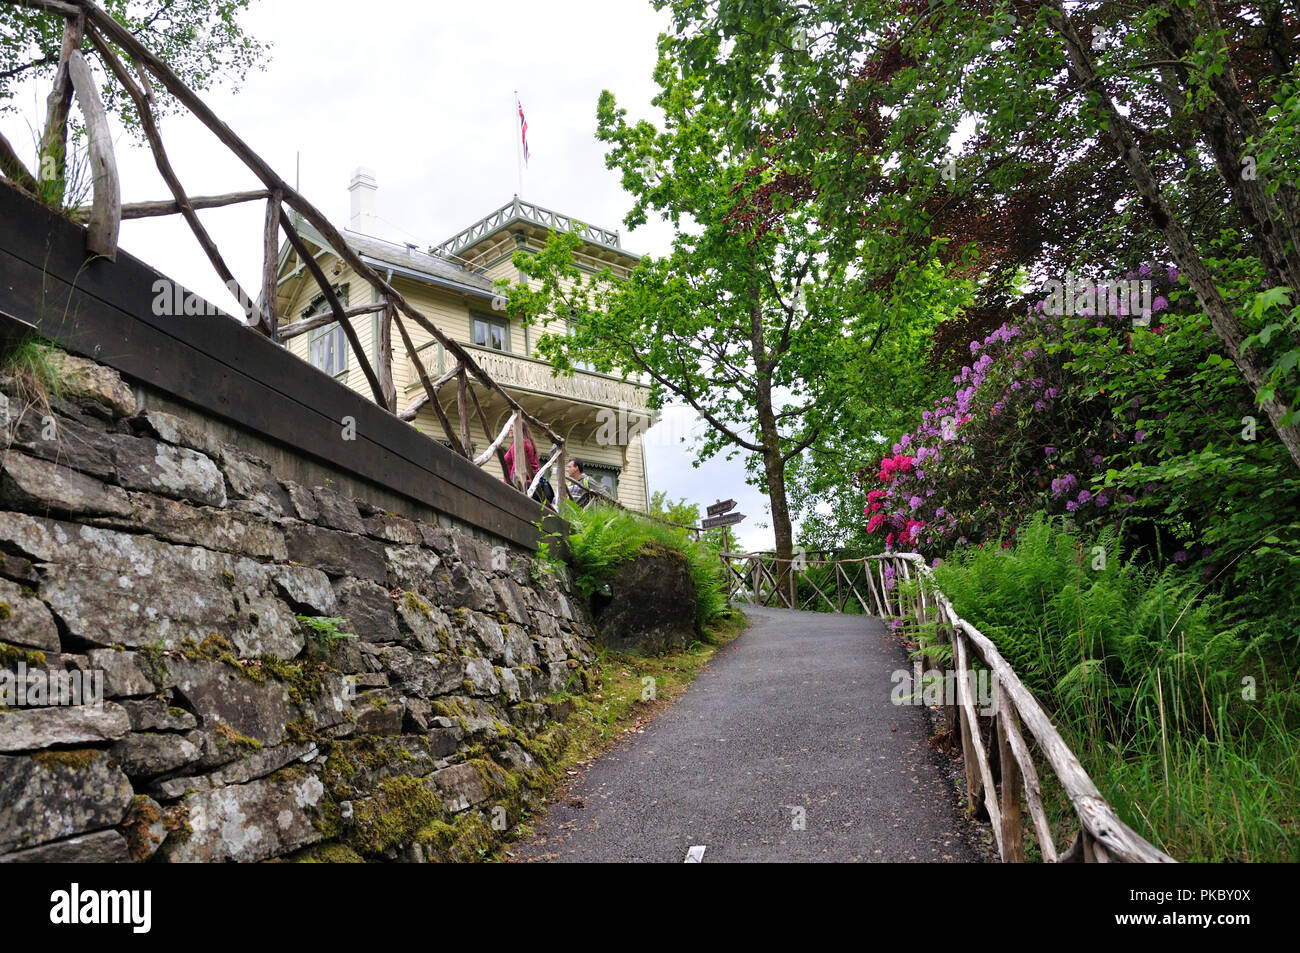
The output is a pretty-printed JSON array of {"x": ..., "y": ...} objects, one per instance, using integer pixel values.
[{"x": 519, "y": 149}]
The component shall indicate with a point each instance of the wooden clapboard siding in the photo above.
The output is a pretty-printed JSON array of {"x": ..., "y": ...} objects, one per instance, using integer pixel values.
[{"x": 631, "y": 486}]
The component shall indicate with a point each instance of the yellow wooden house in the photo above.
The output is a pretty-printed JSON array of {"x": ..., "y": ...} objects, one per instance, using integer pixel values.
[{"x": 601, "y": 417}]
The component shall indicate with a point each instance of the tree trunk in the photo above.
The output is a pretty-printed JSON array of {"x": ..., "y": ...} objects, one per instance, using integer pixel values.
[
  {"x": 774, "y": 469},
  {"x": 770, "y": 437},
  {"x": 52, "y": 161}
]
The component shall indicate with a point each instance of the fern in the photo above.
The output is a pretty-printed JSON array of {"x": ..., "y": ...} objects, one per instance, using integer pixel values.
[{"x": 1142, "y": 672}]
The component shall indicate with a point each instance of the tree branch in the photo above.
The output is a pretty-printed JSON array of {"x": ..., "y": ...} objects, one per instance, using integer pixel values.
[
  {"x": 13, "y": 167},
  {"x": 19, "y": 70}
]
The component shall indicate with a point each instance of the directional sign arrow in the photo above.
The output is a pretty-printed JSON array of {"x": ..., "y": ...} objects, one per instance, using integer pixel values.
[
  {"x": 727, "y": 520},
  {"x": 717, "y": 509}
]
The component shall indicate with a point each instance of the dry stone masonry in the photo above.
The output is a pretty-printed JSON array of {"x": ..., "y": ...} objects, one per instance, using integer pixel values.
[{"x": 195, "y": 583}]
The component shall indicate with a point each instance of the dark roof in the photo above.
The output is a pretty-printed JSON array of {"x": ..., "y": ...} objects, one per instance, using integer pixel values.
[{"x": 405, "y": 259}]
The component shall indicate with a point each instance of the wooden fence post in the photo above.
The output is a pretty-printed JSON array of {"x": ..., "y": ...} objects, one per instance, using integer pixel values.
[
  {"x": 1013, "y": 846},
  {"x": 270, "y": 263}
]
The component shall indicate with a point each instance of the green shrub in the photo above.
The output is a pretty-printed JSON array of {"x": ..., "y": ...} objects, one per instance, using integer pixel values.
[{"x": 603, "y": 537}]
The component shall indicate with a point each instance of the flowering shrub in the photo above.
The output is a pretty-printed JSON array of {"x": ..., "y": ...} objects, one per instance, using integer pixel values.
[
  {"x": 1147, "y": 429},
  {"x": 1020, "y": 433}
]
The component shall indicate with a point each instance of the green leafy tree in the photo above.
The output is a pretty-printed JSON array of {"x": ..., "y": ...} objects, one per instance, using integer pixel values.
[
  {"x": 755, "y": 319},
  {"x": 1049, "y": 135},
  {"x": 202, "y": 41}
]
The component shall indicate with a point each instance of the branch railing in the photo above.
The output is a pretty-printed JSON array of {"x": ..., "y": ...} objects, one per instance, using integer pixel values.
[
  {"x": 1001, "y": 771},
  {"x": 137, "y": 70},
  {"x": 789, "y": 582}
]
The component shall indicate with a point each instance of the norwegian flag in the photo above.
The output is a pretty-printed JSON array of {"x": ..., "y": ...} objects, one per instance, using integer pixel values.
[{"x": 523, "y": 129}]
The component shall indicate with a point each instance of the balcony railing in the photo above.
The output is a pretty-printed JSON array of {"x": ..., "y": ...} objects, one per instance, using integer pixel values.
[
  {"x": 518, "y": 210},
  {"x": 534, "y": 376}
]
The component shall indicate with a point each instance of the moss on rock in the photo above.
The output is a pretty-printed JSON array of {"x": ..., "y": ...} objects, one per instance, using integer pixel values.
[
  {"x": 401, "y": 807},
  {"x": 467, "y": 838}
]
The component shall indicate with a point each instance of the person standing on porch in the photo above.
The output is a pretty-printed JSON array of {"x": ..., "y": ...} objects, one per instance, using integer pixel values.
[{"x": 544, "y": 492}]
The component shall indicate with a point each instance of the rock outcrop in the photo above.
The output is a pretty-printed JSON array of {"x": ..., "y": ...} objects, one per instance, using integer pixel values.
[{"x": 644, "y": 611}]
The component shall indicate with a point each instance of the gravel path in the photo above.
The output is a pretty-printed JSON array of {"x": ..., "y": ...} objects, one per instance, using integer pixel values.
[{"x": 790, "y": 723}]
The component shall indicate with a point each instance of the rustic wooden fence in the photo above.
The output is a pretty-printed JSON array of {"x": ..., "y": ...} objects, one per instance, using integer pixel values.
[
  {"x": 801, "y": 582},
  {"x": 1001, "y": 771},
  {"x": 136, "y": 71}
]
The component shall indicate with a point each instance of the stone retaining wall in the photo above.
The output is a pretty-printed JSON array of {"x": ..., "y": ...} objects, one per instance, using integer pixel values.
[{"x": 144, "y": 548}]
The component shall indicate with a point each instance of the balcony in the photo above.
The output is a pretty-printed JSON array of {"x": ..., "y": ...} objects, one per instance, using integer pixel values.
[{"x": 532, "y": 376}]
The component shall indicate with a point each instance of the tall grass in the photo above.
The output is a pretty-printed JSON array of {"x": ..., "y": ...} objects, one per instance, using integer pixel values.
[
  {"x": 603, "y": 537},
  {"x": 1187, "y": 727}
]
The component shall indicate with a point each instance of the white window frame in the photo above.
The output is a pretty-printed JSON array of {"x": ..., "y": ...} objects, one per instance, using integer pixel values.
[
  {"x": 503, "y": 323},
  {"x": 597, "y": 470},
  {"x": 341, "y": 345}
]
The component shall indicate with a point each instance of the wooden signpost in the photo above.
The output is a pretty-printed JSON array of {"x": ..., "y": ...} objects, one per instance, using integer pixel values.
[
  {"x": 729, "y": 520},
  {"x": 719, "y": 516}
]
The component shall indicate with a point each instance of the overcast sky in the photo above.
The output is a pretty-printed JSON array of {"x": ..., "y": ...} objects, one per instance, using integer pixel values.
[{"x": 423, "y": 95}]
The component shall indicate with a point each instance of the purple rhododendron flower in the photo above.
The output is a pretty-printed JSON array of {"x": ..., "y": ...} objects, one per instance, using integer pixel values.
[
  {"x": 1071, "y": 506},
  {"x": 1181, "y": 556},
  {"x": 1085, "y": 496}
]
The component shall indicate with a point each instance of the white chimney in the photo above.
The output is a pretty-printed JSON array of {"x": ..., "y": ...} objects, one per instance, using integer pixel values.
[{"x": 363, "y": 188}]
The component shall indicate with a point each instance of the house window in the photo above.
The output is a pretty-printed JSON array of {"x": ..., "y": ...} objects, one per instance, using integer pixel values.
[
  {"x": 328, "y": 346},
  {"x": 580, "y": 365},
  {"x": 491, "y": 332},
  {"x": 604, "y": 477},
  {"x": 329, "y": 350}
]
